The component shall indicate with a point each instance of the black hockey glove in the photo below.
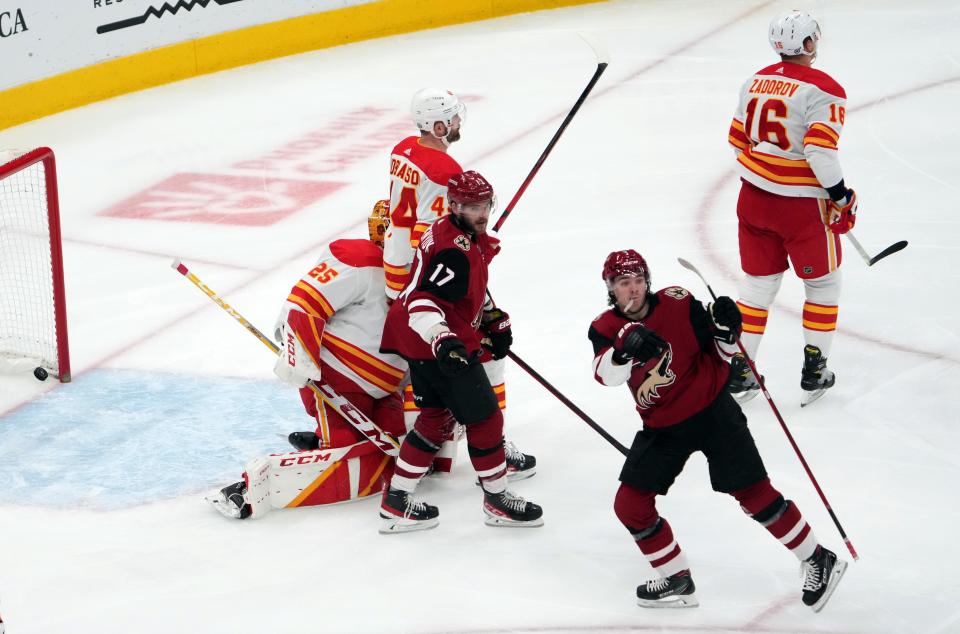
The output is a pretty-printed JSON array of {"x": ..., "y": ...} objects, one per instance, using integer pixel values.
[
  {"x": 727, "y": 320},
  {"x": 497, "y": 334},
  {"x": 451, "y": 354},
  {"x": 638, "y": 343}
]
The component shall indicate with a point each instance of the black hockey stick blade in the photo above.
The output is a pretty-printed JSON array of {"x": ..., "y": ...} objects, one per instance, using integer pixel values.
[{"x": 890, "y": 250}]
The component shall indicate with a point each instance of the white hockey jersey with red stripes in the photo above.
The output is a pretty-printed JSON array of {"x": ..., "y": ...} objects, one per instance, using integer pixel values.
[
  {"x": 786, "y": 130},
  {"x": 418, "y": 197},
  {"x": 346, "y": 289}
]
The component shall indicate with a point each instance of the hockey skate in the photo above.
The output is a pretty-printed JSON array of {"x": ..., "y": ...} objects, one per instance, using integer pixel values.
[
  {"x": 675, "y": 591},
  {"x": 743, "y": 384},
  {"x": 507, "y": 509},
  {"x": 520, "y": 466},
  {"x": 304, "y": 440},
  {"x": 400, "y": 514},
  {"x": 815, "y": 378},
  {"x": 230, "y": 501},
  {"x": 821, "y": 574}
]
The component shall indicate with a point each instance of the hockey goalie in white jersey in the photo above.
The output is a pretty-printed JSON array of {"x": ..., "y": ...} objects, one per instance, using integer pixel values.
[{"x": 330, "y": 327}]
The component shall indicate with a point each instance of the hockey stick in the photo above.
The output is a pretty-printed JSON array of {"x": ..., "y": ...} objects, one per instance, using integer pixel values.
[
  {"x": 603, "y": 59},
  {"x": 783, "y": 424},
  {"x": 890, "y": 250},
  {"x": 384, "y": 441},
  {"x": 563, "y": 399}
]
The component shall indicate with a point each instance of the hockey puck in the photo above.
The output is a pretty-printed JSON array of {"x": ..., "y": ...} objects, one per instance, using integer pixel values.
[{"x": 40, "y": 373}]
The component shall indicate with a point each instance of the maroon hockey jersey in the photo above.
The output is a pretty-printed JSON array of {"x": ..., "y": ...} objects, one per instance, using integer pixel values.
[
  {"x": 685, "y": 379},
  {"x": 449, "y": 277}
]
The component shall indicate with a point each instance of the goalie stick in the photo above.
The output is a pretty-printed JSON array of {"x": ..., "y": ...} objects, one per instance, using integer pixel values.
[
  {"x": 783, "y": 424},
  {"x": 603, "y": 60},
  {"x": 890, "y": 250},
  {"x": 384, "y": 441}
]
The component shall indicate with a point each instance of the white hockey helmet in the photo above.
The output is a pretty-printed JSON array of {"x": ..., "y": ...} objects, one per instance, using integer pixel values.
[
  {"x": 788, "y": 32},
  {"x": 430, "y": 105}
]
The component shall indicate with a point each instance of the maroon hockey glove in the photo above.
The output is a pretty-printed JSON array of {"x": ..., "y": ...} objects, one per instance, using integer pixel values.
[
  {"x": 727, "y": 320},
  {"x": 498, "y": 336},
  {"x": 451, "y": 354},
  {"x": 843, "y": 214},
  {"x": 638, "y": 343}
]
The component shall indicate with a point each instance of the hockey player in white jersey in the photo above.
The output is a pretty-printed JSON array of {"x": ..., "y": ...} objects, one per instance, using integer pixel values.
[
  {"x": 793, "y": 200},
  {"x": 330, "y": 328},
  {"x": 420, "y": 167}
]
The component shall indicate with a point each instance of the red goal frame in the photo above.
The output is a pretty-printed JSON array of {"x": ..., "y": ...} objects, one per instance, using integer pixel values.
[{"x": 45, "y": 155}]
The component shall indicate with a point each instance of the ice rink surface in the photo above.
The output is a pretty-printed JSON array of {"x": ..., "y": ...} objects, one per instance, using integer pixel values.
[{"x": 246, "y": 174}]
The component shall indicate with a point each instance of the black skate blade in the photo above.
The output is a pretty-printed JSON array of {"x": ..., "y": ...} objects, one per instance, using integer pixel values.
[{"x": 836, "y": 574}]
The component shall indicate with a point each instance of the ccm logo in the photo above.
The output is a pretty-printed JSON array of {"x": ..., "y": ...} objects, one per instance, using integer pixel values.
[
  {"x": 304, "y": 459},
  {"x": 291, "y": 351}
]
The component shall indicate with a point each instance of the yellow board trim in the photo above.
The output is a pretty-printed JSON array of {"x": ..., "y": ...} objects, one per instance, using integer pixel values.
[{"x": 253, "y": 44}]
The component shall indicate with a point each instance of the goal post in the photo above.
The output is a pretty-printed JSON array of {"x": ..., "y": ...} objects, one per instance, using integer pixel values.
[{"x": 33, "y": 311}]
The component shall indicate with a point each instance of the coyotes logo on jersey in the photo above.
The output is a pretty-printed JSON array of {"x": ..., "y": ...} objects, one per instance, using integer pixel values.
[{"x": 659, "y": 375}]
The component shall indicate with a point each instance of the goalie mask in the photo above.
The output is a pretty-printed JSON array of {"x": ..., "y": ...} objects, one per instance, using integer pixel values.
[
  {"x": 788, "y": 33},
  {"x": 431, "y": 105},
  {"x": 379, "y": 222}
]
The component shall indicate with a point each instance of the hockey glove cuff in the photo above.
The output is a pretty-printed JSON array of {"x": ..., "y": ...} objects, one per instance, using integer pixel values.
[
  {"x": 727, "y": 320},
  {"x": 498, "y": 335},
  {"x": 451, "y": 354}
]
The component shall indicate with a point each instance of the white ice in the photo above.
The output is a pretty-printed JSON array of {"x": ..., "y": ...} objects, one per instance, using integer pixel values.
[{"x": 102, "y": 523}]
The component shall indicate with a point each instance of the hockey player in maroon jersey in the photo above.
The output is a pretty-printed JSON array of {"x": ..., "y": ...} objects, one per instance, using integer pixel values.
[
  {"x": 664, "y": 346},
  {"x": 437, "y": 324},
  {"x": 793, "y": 200},
  {"x": 420, "y": 167}
]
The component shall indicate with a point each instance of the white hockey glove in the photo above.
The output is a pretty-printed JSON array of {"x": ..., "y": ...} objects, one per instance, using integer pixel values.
[{"x": 294, "y": 365}]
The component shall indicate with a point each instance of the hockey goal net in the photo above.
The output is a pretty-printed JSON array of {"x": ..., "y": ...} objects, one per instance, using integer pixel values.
[{"x": 33, "y": 315}]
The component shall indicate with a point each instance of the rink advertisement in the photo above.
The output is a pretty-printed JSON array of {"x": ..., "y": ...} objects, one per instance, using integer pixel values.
[
  {"x": 61, "y": 55},
  {"x": 47, "y": 37}
]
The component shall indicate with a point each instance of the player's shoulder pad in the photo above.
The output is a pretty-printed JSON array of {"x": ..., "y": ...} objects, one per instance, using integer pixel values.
[
  {"x": 406, "y": 147},
  {"x": 806, "y": 74},
  {"x": 357, "y": 253},
  {"x": 447, "y": 275},
  {"x": 607, "y": 323},
  {"x": 436, "y": 165},
  {"x": 677, "y": 293}
]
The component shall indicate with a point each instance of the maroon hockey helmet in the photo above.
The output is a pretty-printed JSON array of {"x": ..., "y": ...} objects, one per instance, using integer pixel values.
[
  {"x": 469, "y": 188},
  {"x": 627, "y": 262}
]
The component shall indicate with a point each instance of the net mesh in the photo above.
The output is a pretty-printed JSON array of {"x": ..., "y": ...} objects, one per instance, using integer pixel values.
[{"x": 27, "y": 319}]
